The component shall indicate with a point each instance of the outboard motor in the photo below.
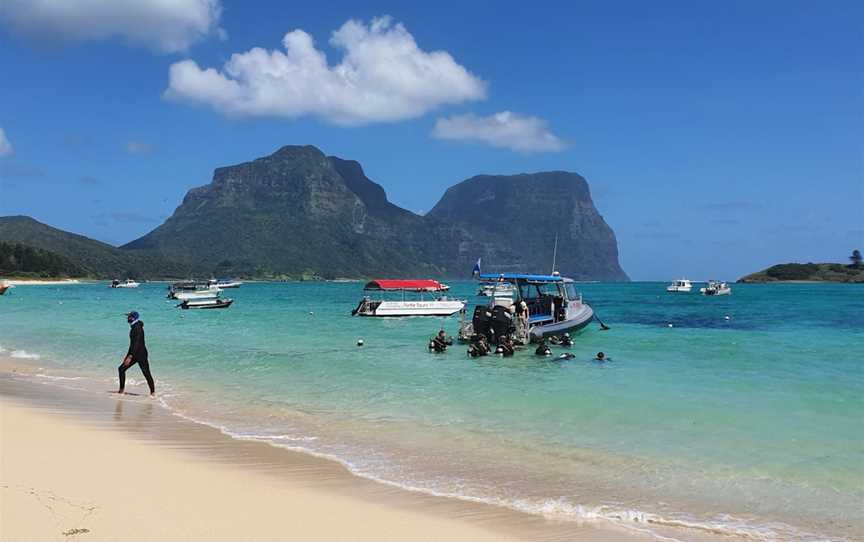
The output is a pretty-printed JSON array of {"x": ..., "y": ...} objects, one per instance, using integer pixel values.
[
  {"x": 502, "y": 321},
  {"x": 482, "y": 321}
]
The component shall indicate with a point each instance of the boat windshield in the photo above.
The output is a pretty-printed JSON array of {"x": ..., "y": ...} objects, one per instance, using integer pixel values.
[
  {"x": 572, "y": 292},
  {"x": 534, "y": 290}
]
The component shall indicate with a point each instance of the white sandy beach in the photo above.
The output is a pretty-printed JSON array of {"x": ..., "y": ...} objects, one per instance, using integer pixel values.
[
  {"x": 61, "y": 477},
  {"x": 78, "y": 466}
]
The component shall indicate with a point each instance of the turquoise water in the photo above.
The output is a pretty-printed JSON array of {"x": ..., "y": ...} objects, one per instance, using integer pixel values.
[{"x": 750, "y": 425}]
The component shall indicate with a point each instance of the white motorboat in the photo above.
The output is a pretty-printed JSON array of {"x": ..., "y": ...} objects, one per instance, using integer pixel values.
[
  {"x": 213, "y": 303},
  {"x": 128, "y": 283},
  {"x": 496, "y": 289},
  {"x": 211, "y": 292},
  {"x": 716, "y": 287},
  {"x": 683, "y": 286},
  {"x": 225, "y": 283},
  {"x": 436, "y": 305}
]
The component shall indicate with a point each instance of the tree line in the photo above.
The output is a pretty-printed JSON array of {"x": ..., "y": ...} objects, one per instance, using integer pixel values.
[{"x": 17, "y": 259}]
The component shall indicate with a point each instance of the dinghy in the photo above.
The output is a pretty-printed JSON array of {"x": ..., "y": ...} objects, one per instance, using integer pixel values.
[{"x": 213, "y": 303}]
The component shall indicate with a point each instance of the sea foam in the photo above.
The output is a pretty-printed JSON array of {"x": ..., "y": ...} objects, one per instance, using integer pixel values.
[{"x": 23, "y": 354}]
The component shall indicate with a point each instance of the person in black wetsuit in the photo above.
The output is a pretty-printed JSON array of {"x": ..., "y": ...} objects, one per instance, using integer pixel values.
[
  {"x": 439, "y": 343},
  {"x": 479, "y": 347},
  {"x": 543, "y": 349},
  {"x": 506, "y": 347},
  {"x": 137, "y": 354}
]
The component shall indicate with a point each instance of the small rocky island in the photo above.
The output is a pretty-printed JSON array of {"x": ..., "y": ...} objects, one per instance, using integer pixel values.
[{"x": 808, "y": 272}]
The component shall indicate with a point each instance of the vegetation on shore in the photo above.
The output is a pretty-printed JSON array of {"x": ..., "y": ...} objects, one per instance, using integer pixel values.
[
  {"x": 53, "y": 253},
  {"x": 23, "y": 261},
  {"x": 815, "y": 272}
]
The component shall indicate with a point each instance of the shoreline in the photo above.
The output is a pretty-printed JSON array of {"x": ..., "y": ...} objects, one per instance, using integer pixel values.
[
  {"x": 169, "y": 442},
  {"x": 38, "y": 282},
  {"x": 620, "y": 487}
]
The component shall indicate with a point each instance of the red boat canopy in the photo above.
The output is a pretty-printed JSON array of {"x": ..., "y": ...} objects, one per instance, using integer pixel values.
[{"x": 419, "y": 285}]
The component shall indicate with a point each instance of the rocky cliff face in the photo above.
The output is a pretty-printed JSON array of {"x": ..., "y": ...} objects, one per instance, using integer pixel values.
[
  {"x": 298, "y": 211},
  {"x": 289, "y": 213},
  {"x": 512, "y": 221}
]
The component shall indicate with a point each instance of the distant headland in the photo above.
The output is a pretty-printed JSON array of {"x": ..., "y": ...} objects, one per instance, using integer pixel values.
[{"x": 808, "y": 272}]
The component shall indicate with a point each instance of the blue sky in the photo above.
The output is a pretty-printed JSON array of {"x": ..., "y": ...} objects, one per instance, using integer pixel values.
[{"x": 717, "y": 139}]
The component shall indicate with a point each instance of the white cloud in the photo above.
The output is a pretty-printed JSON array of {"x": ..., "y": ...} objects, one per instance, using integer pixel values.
[
  {"x": 505, "y": 129},
  {"x": 165, "y": 25},
  {"x": 5, "y": 146},
  {"x": 135, "y": 147},
  {"x": 383, "y": 76}
]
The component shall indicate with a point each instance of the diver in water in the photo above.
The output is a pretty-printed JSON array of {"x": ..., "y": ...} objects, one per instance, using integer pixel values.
[
  {"x": 601, "y": 357},
  {"x": 566, "y": 340},
  {"x": 543, "y": 349},
  {"x": 505, "y": 347},
  {"x": 566, "y": 356},
  {"x": 440, "y": 342},
  {"x": 479, "y": 347}
]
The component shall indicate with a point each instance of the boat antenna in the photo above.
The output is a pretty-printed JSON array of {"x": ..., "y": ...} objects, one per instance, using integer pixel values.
[{"x": 555, "y": 253}]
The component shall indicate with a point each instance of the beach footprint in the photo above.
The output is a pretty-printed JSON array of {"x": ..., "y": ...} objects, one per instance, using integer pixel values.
[{"x": 62, "y": 510}]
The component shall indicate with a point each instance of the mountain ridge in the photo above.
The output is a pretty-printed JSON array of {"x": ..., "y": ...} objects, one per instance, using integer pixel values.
[
  {"x": 91, "y": 257},
  {"x": 300, "y": 212}
]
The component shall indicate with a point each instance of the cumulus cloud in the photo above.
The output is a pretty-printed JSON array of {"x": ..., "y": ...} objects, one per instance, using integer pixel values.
[
  {"x": 383, "y": 76},
  {"x": 505, "y": 129},
  {"x": 5, "y": 146},
  {"x": 165, "y": 25},
  {"x": 136, "y": 147}
]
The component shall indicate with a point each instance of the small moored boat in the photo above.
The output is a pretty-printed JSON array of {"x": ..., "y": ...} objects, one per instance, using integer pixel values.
[
  {"x": 437, "y": 305},
  {"x": 682, "y": 286},
  {"x": 128, "y": 283},
  {"x": 225, "y": 283},
  {"x": 210, "y": 292},
  {"x": 213, "y": 303},
  {"x": 716, "y": 287},
  {"x": 492, "y": 289}
]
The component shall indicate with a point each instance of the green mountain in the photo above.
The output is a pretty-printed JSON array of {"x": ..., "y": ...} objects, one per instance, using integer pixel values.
[
  {"x": 81, "y": 255},
  {"x": 809, "y": 272},
  {"x": 290, "y": 213},
  {"x": 299, "y": 211}
]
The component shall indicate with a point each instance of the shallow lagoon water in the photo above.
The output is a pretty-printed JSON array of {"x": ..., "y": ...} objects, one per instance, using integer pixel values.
[{"x": 745, "y": 416}]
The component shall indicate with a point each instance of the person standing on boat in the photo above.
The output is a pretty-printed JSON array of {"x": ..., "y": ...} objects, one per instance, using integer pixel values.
[
  {"x": 137, "y": 353},
  {"x": 522, "y": 312}
]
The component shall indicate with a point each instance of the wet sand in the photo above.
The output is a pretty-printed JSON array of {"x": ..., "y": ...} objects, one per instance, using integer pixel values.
[{"x": 82, "y": 466}]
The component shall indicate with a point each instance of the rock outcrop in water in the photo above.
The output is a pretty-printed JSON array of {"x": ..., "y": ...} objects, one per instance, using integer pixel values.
[{"x": 298, "y": 211}]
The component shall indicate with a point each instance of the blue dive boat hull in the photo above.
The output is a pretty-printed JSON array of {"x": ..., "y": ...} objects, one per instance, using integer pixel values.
[{"x": 571, "y": 325}]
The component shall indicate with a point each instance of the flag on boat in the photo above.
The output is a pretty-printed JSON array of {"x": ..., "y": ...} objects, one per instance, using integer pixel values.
[{"x": 476, "y": 270}]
